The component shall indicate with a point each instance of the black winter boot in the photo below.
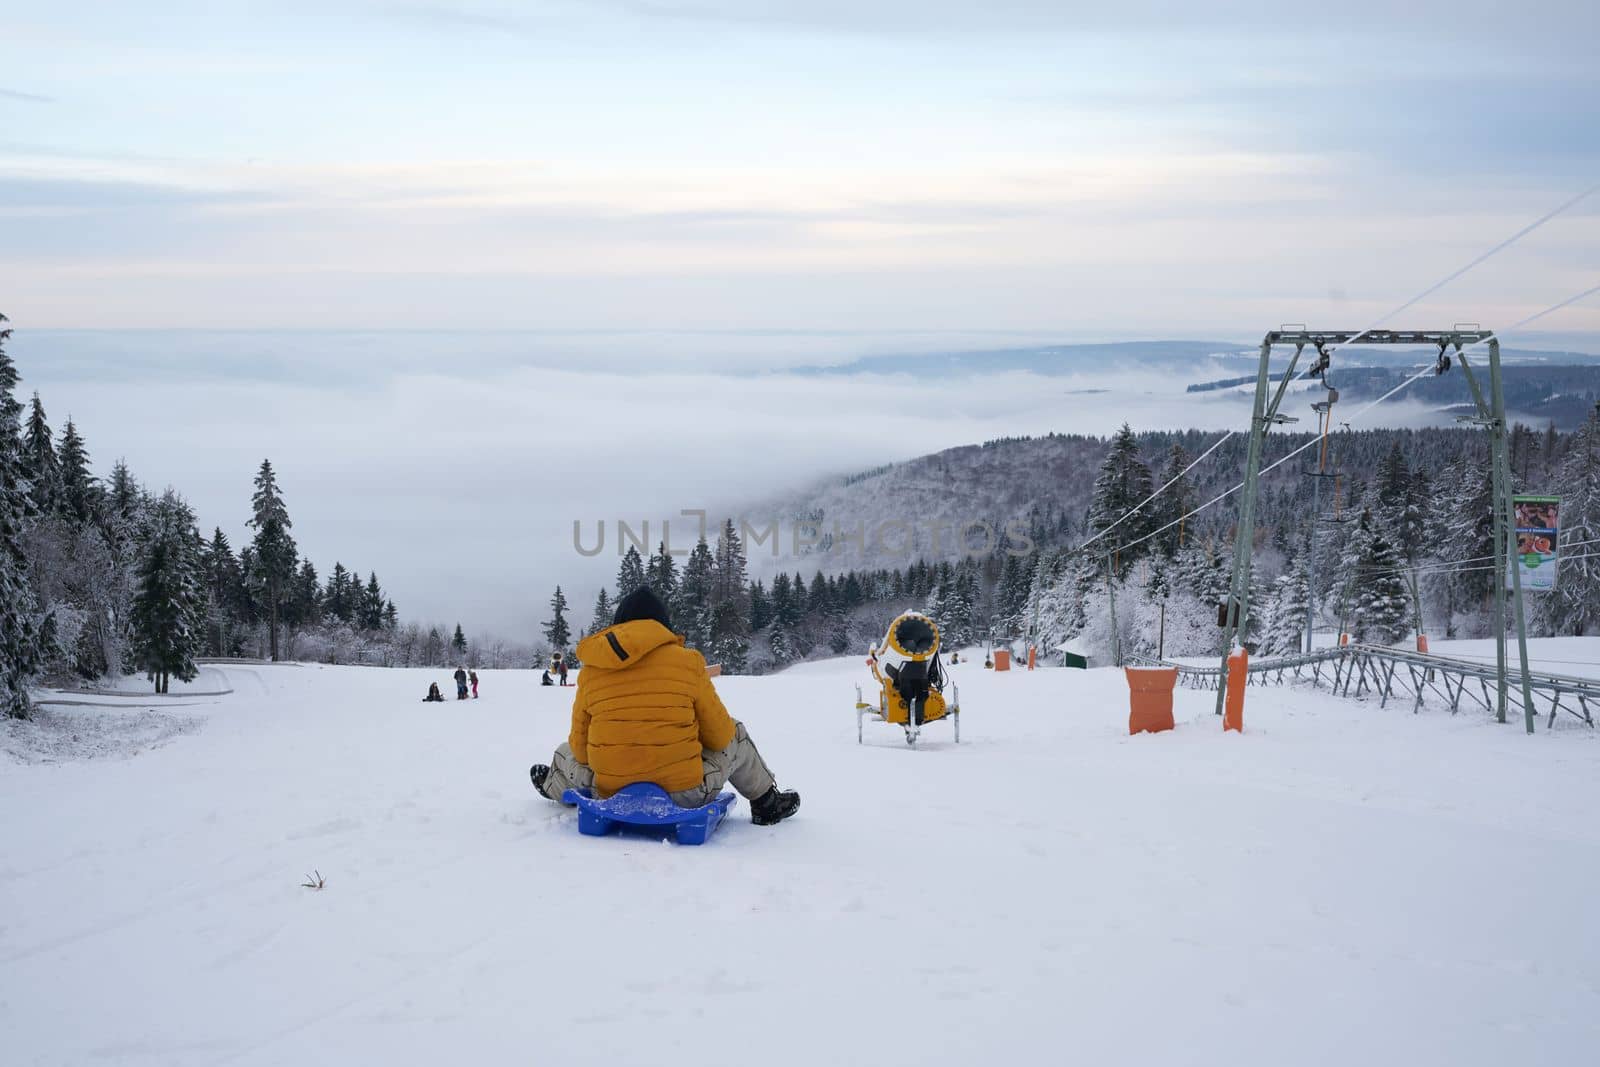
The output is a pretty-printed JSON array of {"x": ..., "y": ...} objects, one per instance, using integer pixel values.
[
  {"x": 538, "y": 773},
  {"x": 773, "y": 807}
]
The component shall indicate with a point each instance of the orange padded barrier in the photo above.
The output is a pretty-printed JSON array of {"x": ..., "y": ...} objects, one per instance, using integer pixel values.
[
  {"x": 1150, "y": 698},
  {"x": 1002, "y": 660},
  {"x": 1233, "y": 708}
]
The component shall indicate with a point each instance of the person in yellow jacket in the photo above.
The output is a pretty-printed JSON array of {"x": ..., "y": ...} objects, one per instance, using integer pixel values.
[{"x": 646, "y": 711}]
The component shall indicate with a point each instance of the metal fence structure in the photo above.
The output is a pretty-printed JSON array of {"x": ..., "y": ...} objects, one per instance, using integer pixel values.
[{"x": 1358, "y": 671}]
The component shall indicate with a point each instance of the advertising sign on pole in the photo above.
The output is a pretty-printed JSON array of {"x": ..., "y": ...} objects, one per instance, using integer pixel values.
[{"x": 1538, "y": 525}]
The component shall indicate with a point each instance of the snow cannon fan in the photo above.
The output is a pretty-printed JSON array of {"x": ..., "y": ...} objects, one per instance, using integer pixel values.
[{"x": 911, "y": 682}]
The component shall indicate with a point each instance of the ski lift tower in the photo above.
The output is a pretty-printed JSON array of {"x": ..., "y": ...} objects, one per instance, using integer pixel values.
[
  {"x": 1235, "y": 615},
  {"x": 1324, "y": 410}
]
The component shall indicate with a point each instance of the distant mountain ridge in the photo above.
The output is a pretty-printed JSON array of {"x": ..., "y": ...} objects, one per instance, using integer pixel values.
[
  {"x": 1198, "y": 358},
  {"x": 1045, "y": 359}
]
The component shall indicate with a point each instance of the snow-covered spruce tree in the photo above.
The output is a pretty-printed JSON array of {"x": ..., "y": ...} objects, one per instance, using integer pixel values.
[
  {"x": 124, "y": 498},
  {"x": 373, "y": 604},
  {"x": 1460, "y": 528},
  {"x": 601, "y": 617},
  {"x": 339, "y": 599},
  {"x": 21, "y": 650},
  {"x": 169, "y": 601},
  {"x": 1573, "y": 607},
  {"x": 80, "y": 493},
  {"x": 1377, "y": 601},
  {"x": 557, "y": 632},
  {"x": 661, "y": 574},
  {"x": 458, "y": 640},
  {"x": 225, "y": 596},
  {"x": 760, "y": 607},
  {"x": 39, "y": 461},
  {"x": 275, "y": 552},
  {"x": 1123, "y": 483},
  {"x": 730, "y": 607},
  {"x": 1399, "y": 514},
  {"x": 785, "y": 616},
  {"x": 1283, "y": 625},
  {"x": 305, "y": 599},
  {"x": 1177, "y": 500},
  {"x": 692, "y": 615},
  {"x": 630, "y": 573}
]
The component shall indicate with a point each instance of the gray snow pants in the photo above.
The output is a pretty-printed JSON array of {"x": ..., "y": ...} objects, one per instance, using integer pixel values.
[{"x": 739, "y": 764}]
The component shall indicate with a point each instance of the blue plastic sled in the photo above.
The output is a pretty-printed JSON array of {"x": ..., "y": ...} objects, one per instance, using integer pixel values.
[{"x": 644, "y": 804}]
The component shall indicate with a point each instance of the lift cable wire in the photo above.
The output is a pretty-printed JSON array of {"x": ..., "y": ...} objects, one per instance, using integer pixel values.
[
  {"x": 1453, "y": 565},
  {"x": 1435, "y": 287},
  {"x": 1428, "y": 369},
  {"x": 1135, "y": 509}
]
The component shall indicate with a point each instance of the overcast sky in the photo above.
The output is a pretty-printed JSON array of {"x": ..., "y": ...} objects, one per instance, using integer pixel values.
[{"x": 673, "y": 190}]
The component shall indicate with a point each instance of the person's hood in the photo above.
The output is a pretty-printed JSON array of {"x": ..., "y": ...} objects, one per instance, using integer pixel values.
[{"x": 625, "y": 644}]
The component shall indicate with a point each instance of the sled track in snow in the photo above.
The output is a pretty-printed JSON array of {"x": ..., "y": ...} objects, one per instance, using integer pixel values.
[{"x": 1361, "y": 670}]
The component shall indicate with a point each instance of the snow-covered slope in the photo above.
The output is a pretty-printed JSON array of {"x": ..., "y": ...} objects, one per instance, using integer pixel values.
[{"x": 1339, "y": 885}]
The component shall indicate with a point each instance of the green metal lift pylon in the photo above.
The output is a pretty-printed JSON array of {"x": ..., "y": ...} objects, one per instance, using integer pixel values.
[{"x": 1264, "y": 415}]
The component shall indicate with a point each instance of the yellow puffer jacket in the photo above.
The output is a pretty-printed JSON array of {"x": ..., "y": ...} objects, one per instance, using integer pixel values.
[{"x": 645, "y": 709}]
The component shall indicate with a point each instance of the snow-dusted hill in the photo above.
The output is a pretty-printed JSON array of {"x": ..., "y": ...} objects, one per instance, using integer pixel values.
[{"x": 1339, "y": 885}]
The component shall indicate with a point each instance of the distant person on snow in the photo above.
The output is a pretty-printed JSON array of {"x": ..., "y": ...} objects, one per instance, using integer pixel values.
[
  {"x": 561, "y": 668},
  {"x": 544, "y": 679},
  {"x": 473, "y": 676},
  {"x": 461, "y": 683},
  {"x": 646, "y": 711},
  {"x": 433, "y": 693}
]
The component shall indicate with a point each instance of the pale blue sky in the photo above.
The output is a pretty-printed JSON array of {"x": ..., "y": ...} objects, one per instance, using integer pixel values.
[
  {"x": 666, "y": 191},
  {"x": 1141, "y": 166}
]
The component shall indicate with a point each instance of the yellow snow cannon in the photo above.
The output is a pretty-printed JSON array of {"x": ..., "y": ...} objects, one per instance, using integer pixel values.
[{"x": 910, "y": 680}]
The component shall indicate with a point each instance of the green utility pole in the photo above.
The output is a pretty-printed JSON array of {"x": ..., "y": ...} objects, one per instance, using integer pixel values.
[
  {"x": 1492, "y": 415},
  {"x": 1237, "y": 610},
  {"x": 1324, "y": 410}
]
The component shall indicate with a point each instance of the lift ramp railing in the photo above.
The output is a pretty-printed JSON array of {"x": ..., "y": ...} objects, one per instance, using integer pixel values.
[{"x": 1360, "y": 670}]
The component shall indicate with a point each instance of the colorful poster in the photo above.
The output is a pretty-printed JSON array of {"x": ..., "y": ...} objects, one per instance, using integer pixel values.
[{"x": 1538, "y": 523}]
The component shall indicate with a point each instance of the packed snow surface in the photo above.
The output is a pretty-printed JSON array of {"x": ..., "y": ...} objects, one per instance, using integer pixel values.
[{"x": 1339, "y": 885}]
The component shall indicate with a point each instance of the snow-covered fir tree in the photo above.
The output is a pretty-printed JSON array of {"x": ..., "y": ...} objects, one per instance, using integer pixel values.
[
  {"x": 39, "y": 461},
  {"x": 1283, "y": 620},
  {"x": 691, "y": 617},
  {"x": 630, "y": 573},
  {"x": 1573, "y": 607},
  {"x": 1175, "y": 501},
  {"x": 661, "y": 574},
  {"x": 275, "y": 552},
  {"x": 600, "y": 618},
  {"x": 169, "y": 602},
  {"x": 1377, "y": 603},
  {"x": 458, "y": 640},
  {"x": 1122, "y": 484},
  {"x": 338, "y": 599},
  {"x": 21, "y": 650},
  {"x": 557, "y": 631},
  {"x": 79, "y": 489},
  {"x": 373, "y": 603},
  {"x": 304, "y": 606},
  {"x": 729, "y": 603},
  {"x": 760, "y": 606}
]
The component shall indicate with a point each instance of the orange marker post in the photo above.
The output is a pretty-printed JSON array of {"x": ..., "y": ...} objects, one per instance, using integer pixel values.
[
  {"x": 1150, "y": 698},
  {"x": 1422, "y": 643},
  {"x": 1233, "y": 709}
]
